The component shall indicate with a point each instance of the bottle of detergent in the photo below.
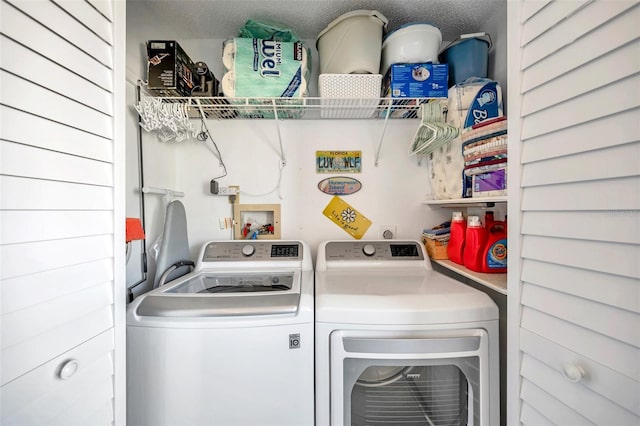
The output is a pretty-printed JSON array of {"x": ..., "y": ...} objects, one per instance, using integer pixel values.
[
  {"x": 456, "y": 238},
  {"x": 494, "y": 254},
  {"x": 488, "y": 219},
  {"x": 474, "y": 243}
]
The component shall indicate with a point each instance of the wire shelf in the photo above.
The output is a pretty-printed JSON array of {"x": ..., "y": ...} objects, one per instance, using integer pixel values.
[{"x": 301, "y": 108}]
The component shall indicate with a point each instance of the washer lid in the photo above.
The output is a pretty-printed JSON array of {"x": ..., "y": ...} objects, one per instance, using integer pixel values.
[
  {"x": 398, "y": 296},
  {"x": 234, "y": 282},
  {"x": 212, "y": 306},
  {"x": 221, "y": 294}
]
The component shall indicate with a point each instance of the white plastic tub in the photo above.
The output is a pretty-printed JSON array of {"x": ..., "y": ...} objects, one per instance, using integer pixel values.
[
  {"x": 410, "y": 44},
  {"x": 352, "y": 43}
]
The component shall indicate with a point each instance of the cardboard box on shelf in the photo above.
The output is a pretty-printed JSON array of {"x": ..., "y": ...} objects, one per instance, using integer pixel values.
[
  {"x": 409, "y": 85},
  {"x": 490, "y": 184},
  {"x": 423, "y": 80},
  {"x": 170, "y": 71}
]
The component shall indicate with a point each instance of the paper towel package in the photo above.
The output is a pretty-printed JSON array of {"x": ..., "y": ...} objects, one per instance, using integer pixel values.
[
  {"x": 265, "y": 68},
  {"x": 473, "y": 101},
  {"x": 257, "y": 68}
]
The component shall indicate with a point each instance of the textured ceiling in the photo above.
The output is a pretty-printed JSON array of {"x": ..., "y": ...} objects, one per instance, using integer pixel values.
[{"x": 220, "y": 19}]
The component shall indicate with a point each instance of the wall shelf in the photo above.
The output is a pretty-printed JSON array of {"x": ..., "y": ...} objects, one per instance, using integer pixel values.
[
  {"x": 467, "y": 202},
  {"x": 497, "y": 282},
  {"x": 307, "y": 108}
]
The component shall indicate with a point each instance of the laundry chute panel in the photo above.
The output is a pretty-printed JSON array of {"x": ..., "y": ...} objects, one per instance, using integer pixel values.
[
  {"x": 573, "y": 285},
  {"x": 62, "y": 213}
]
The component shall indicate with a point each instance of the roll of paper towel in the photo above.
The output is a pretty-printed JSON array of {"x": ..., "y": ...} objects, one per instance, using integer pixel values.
[
  {"x": 228, "y": 54},
  {"x": 229, "y": 88},
  {"x": 447, "y": 166}
]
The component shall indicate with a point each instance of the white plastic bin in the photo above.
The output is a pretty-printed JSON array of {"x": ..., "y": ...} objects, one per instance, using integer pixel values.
[
  {"x": 411, "y": 43},
  {"x": 352, "y": 43}
]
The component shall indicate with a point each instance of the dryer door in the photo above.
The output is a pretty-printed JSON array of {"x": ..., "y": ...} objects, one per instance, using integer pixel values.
[{"x": 413, "y": 378}]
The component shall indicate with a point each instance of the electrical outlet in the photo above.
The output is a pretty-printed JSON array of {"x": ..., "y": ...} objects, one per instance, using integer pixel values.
[
  {"x": 227, "y": 190},
  {"x": 388, "y": 232}
]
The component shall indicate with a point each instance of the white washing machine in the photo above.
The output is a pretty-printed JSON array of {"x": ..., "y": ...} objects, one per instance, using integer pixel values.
[
  {"x": 230, "y": 343},
  {"x": 398, "y": 343}
]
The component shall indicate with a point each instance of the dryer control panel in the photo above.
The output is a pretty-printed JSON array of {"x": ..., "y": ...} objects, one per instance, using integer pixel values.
[
  {"x": 226, "y": 251},
  {"x": 374, "y": 250}
]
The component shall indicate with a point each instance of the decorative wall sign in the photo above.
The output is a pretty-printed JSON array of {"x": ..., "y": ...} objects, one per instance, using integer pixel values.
[
  {"x": 338, "y": 161},
  {"x": 339, "y": 185},
  {"x": 346, "y": 217}
]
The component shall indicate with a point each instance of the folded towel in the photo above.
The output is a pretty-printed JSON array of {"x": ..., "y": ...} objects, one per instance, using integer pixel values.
[
  {"x": 485, "y": 129},
  {"x": 133, "y": 230}
]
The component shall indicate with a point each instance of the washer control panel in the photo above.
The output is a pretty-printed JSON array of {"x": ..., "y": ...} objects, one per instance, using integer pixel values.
[
  {"x": 373, "y": 250},
  {"x": 251, "y": 250}
]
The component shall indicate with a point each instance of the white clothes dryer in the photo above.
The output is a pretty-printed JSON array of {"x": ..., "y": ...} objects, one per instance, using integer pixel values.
[
  {"x": 229, "y": 344},
  {"x": 398, "y": 343}
]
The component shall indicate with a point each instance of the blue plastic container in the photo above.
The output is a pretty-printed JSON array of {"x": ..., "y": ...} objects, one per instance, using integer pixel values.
[{"x": 467, "y": 57}]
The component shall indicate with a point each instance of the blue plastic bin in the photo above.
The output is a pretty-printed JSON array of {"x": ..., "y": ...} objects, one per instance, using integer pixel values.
[{"x": 467, "y": 57}]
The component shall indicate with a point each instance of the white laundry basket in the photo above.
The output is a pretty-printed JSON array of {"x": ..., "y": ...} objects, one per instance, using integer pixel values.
[{"x": 349, "y": 95}]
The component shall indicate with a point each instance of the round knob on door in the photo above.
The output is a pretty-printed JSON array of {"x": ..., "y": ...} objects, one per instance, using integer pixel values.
[
  {"x": 68, "y": 369},
  {"x": 369, "y": 250},
  {"x": 248, "y": 250},
  {"x": 572, "y": 372}
]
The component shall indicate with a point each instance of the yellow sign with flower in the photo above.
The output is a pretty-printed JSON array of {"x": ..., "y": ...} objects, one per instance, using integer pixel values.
[{"x": 346, "y": 217}]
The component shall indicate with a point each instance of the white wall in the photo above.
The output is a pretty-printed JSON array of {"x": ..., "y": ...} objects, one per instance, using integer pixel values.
[
  {"x": 497, "y": 67},
  {"x": 391, "y": 195}
]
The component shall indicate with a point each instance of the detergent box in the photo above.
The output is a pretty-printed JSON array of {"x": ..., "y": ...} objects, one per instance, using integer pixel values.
[
  {"x": 422, "y": 80},
  {"x": 490, "y": 184}
]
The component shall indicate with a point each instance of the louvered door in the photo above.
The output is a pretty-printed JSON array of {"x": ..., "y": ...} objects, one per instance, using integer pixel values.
[
  {"x": 575, "y": 198},
  {"x": 61, "y": 212}
]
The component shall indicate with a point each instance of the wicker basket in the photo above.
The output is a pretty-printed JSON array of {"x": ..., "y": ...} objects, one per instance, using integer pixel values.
[{"x": 436, "y": 249}]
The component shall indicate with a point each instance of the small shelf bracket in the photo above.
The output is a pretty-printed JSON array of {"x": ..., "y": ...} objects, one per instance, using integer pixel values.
[
  {"x": 384, "y": 129},
  {"x": 277, "y": 120},
  {"x": 203, "y": 117}
]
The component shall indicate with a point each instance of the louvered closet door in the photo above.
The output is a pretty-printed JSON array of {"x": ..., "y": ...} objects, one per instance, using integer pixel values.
[
  {"x": 579, "y": 294},
  {"x": 60, "y": 164}
]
